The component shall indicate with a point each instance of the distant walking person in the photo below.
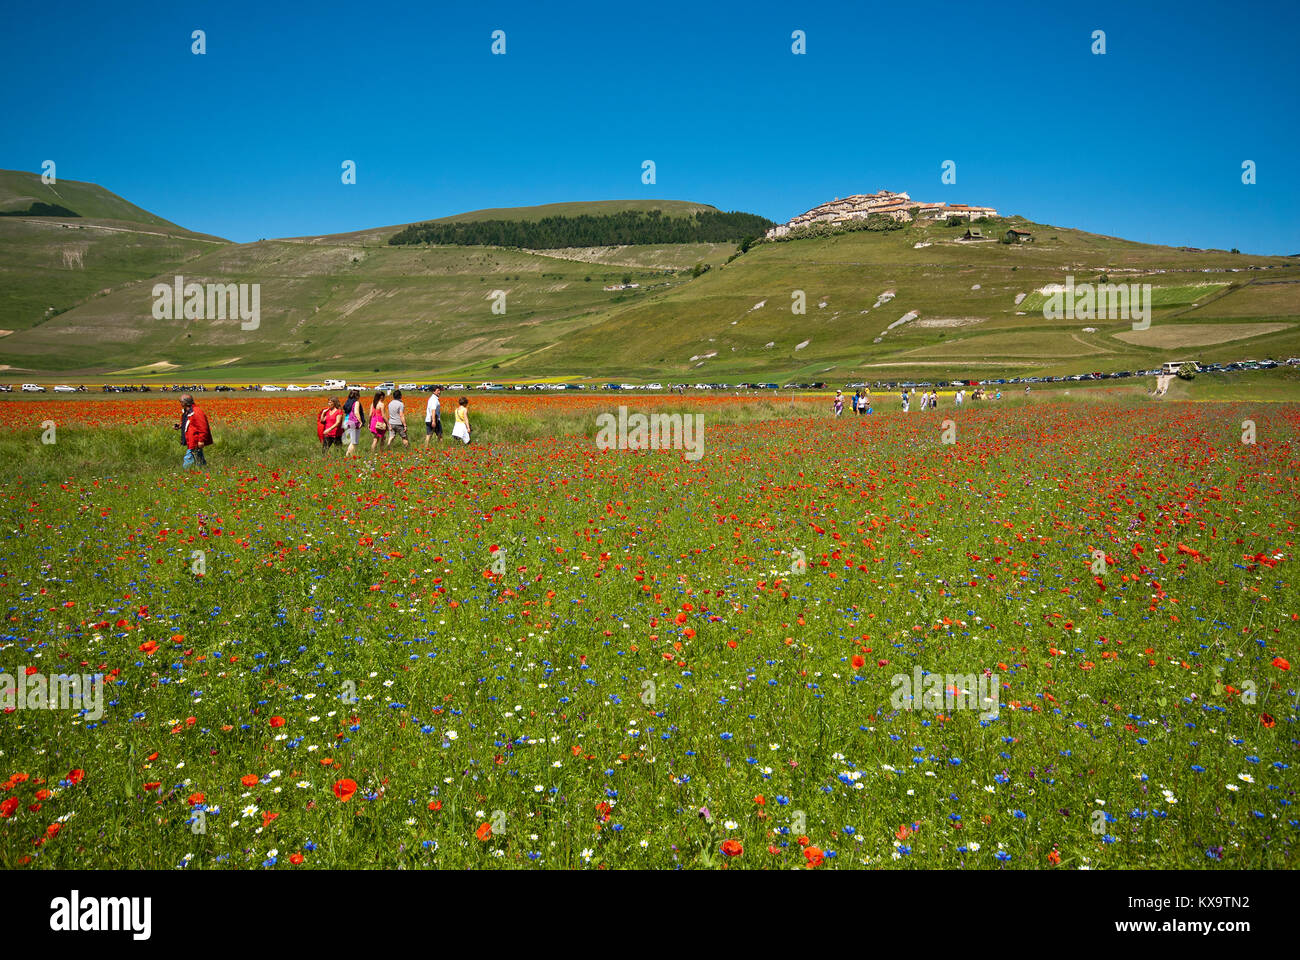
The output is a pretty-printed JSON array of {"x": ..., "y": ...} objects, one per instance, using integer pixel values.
[
  {"x": 907, "y": 400},
  {"x": 195, "y": 433},
  {"x": 378, "y": 420},
  {"x": 839, "y": 402},
  {"x": 397, "y": 419},
  {"x": 433, "y": 416},
  {"x": 461, "y": 430}
]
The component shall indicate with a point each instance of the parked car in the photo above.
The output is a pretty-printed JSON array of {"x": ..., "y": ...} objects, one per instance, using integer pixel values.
[
  {"x": 64, "y": 388},
  {"x": 271, "y": 388},
  {"x": 407, "y": 386},
  {"x": 33, "y": 388}
]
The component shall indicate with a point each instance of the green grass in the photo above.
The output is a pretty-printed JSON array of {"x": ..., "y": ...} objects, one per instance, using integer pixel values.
[
  {"x": 649, "y": 640},
  {"x": 19, "y": 189}
]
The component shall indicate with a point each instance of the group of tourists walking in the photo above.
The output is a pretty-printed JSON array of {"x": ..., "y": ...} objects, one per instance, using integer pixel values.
[
  {"x": 859, "y": 403},
  {"x": 338, "y": 424},
  {"x": 341, "y": 424}
]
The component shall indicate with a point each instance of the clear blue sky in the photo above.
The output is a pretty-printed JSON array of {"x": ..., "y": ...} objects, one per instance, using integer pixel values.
[{"x": 1145, "y": 142}]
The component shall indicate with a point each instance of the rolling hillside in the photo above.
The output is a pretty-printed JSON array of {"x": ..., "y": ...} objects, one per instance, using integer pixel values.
[
  {"x": 918, "y": 301},
  {"x": 879, "y": 304},
  {"x": 50, "y": 263}
]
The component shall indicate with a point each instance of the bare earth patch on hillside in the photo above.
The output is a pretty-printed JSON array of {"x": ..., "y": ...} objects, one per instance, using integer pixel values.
[
  {"x": 665, "y": 256},
  {"x": 949, "y": 321},
  {"x": 1197, "y": 334},
  {"x": 161, "y": 366}
]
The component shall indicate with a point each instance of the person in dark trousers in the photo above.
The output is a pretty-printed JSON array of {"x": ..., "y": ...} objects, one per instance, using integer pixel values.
[{"x": 195, "y": 433}]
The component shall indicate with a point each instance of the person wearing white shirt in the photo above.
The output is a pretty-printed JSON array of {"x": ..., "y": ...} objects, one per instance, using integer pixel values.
[{"x": 432, "y": 416}]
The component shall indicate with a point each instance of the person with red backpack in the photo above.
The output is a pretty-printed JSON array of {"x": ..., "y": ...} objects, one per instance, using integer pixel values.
[{"x": 320, "y": 425}]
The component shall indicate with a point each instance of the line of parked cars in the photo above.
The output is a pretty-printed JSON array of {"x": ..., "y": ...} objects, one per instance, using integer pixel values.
[{"x": 388, "y": 386}]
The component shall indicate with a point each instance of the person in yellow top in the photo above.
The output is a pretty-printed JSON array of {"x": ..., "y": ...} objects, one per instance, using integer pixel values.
[{"x": 461, "y": 430}]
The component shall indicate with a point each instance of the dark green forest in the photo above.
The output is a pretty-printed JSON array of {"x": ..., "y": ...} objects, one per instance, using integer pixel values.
[
  {"x": 615, "y": 229},
  {"x": 39, "y": 209}
]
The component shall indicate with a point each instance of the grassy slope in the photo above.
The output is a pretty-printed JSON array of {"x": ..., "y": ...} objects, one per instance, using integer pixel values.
[
  {"x": 19, "y": 189},
  {"x": 375, "y": 235},
  {"x": 59, "y": 262},
  {"x": 341, "y": 307},
  {"x": 848, "y": 272},
  {"x": 350, "y": 303}
]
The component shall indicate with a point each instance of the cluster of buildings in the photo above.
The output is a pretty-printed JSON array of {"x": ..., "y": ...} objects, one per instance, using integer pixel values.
[{"x": 898, "y": 206}]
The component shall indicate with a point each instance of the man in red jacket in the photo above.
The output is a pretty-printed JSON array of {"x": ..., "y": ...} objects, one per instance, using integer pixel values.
[{"x": 195, "y": 433}]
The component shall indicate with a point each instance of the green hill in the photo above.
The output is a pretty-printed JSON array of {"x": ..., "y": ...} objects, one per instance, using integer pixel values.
[
  {"x": 916, "y": 302},
  {"x": 20, "y": 189},
  {"x": 64, "y": 243},
  {"x": 674, "y": 208},
  {"x": 959, "y": 301}
]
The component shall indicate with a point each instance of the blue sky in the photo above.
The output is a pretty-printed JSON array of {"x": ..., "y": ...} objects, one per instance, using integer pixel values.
[{"x": 1145, "y": 142}]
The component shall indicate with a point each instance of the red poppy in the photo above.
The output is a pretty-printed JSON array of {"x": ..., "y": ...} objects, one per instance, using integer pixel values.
[
  {"x": 813, "y": 856},
  {"x": 148, "y": 648},
  {"x": 249, "y": 779},
  {"x": 344, "y": 789},
  {"x": 732, "y": 848},
  {"x": 8, "y": 807},
  {"x": 859, "y": 661},
  {"x": 296, "y": 859},
  {"x": 1281, "y": 663},
  {"x": 277, "y": 722},
  {"x": 1053, "y": 858},
  {"x": 484, "y": 831},
  {"x": 194, "y": 799},
  {"x": 74, "y": 777},
  {"x": 1267, "y": 720}
]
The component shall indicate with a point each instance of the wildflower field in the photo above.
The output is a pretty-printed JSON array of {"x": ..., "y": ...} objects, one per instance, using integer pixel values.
[{"x": 533, "y": 653}]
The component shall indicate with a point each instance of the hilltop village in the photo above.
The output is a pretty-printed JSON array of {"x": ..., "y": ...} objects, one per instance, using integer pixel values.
[{"x": 897, "y": 206}]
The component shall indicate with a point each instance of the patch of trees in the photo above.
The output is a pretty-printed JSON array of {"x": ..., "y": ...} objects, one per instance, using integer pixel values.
[
  {"x": 875, "y": 222},
  {"x": 39, "y": 209},
  {"x": 629, "y": 227}
]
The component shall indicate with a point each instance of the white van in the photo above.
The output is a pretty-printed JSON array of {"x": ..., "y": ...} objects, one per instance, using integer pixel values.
[
  {"x": 336, "y": 385},
  {"x": 33, "y": 388}
]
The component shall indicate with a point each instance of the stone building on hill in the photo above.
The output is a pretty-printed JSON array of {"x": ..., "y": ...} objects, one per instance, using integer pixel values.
[{"x": 899, "y": 206}]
